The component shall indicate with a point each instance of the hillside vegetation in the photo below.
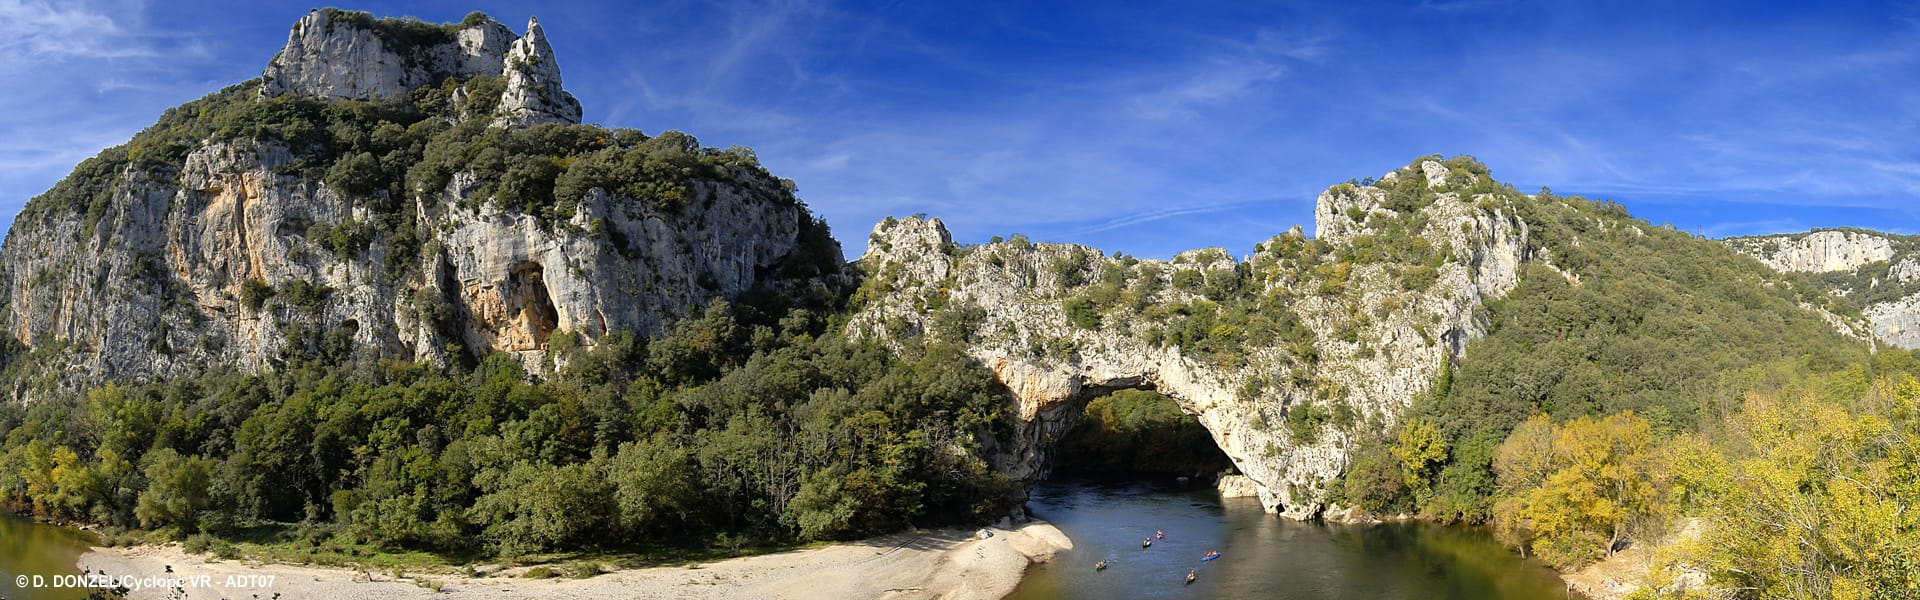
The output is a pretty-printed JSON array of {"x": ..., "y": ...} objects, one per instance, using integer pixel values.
[
  {"x": 726, "y": 431},
  {"x": 1649, "y": 377}
]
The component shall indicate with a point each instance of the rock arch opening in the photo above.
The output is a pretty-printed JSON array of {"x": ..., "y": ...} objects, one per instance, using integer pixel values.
[
  {"x": 1139, "y": 432},
  {"x": 1050, "y": 402}
]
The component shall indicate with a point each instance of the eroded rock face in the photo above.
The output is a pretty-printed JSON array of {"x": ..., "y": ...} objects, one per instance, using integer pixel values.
[
  {"x": 533, "y": 93},
  {"x": 1236, "y": 486},
  {"x": 329, "y": 55},
  {"x": 1897, "y": 322},
  {"x": 1816, "y": 252},
  {"x": 234, "y": 257},
  {"x": 1009, "y": 302},
  {"x": 1886, "y": 269},
  {"x": 157, "y": 287}
]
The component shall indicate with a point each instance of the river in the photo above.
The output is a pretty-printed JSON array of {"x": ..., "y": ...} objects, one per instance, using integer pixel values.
[
  {"x": 1262, "y": 556},
  {"x": 33, "y": 549}
]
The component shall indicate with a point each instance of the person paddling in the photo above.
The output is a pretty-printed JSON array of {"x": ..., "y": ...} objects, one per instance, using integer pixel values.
[
  {"x": 1159, "y": 535},
  {"x": 1146, "y": 543},
  {"x": 1192, "y": 575},
  {"x": 1100, "y": 566}
]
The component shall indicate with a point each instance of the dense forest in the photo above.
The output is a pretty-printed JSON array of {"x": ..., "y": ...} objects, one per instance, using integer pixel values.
[{"x": 732, "y": 429}]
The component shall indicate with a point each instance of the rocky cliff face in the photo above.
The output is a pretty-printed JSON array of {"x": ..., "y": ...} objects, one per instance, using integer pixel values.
[
  {"x": 533, "y": 85},
  {"x": 1816, "y": 252},
  {"x": 1278, "y": 354},
  {"x": 1876, "y": 273},
  {"x": 242, "y": 254},
  {"x": 339, "y": 55},
  {"x": 342, "y": 55}
]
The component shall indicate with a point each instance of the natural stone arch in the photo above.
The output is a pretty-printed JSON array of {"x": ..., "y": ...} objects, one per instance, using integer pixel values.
[
  {"x": 1046, "y": 416},
  {"x": 1048, "y": 402},
  {"x": 1007, "y": 304}
]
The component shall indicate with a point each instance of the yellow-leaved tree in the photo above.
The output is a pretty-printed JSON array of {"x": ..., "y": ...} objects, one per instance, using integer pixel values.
[
  {"x": 1570, "y": 492},
  {"x": 1813, "y": 500}
]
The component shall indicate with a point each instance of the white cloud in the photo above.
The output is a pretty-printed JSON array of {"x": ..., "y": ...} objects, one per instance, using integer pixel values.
[
  {"x": 1203, "y": 87},
  {"x": 38, "y": 31}
]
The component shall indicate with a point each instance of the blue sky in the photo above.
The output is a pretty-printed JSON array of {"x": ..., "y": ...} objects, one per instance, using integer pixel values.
[{"x": 1145, "y": 128}]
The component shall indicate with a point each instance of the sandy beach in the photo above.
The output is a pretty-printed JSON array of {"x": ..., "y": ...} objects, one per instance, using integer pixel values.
[{"x": 947, "y": 564}]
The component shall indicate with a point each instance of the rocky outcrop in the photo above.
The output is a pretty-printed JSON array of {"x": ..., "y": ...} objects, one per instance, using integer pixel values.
[
  {"x": 339, "y": 55},
  {"x": 1062, "y": 324},
  {"x": 1816, "y": 252},
  {"x": 1885, "y": 282},
  {"x": 533, "y": 93},
  {"x": 238, "y": 255},
  {"x": 1236, "y": 486},
  {"x": 1896, "y": 322},
  {"x": 159, "y": 286}
]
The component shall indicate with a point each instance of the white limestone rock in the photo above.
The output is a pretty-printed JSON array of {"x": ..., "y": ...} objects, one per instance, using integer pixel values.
[
  {"x": 329, "y": 54},
  {"x": 1236, "y": 486},
  {"x": 1895, "y": 321},
  {"x": 155, "y": 287},
  {"x": 533, "y": 93},
  {"x": 154, "y": 283},
  {"x": 1816, "y": 252},
  {"x": 1053, "y": 367}
]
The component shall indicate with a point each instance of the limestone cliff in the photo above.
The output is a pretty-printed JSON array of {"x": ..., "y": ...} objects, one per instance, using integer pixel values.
[
  {"x": 533, "y": 84},
  {"x": 1876, "y": 274},
  {"x": 255, "y": 240},
  {"x": 1278, "y": 354},
  {"x": 337, "y": 54},
  {"x": 1817, "y": 251}
]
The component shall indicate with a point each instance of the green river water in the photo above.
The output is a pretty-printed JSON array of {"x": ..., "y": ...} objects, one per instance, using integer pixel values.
[
  {"x": 29, "y": 549},
  {"x": 1262, "y": 556}
]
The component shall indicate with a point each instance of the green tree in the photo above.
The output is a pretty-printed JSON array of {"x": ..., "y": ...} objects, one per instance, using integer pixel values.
[
  {"x": 535, "y": 508},
  {"x": 179, "y": 488},
  {"x": 655, "y": 486},
  {"x": 1421, "y": 451}
]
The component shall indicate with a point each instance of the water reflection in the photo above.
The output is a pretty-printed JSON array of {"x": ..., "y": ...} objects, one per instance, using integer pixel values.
[
  {"x": 1262, "y": 556},
  {"x": 29, "y": 548}
]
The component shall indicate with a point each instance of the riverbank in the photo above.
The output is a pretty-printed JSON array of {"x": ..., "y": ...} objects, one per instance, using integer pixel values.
[
  {"x": 946, "y": 564},
  {"x": 1623, "y": 573}
]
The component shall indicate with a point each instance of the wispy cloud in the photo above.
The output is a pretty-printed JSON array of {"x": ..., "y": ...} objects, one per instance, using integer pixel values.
[
  {"x": 1163, "y": 214},
  {"x": 1204, "y": 86},
  {"x": 83, "y": 76},
  {"x": 1143, "y": 127},
  {"x": 38, "y": 30},
  {"x": 1737, "y": 228}
]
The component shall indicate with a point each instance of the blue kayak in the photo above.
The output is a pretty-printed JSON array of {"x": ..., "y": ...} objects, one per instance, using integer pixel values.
[{"x": 1208, "y": 558}]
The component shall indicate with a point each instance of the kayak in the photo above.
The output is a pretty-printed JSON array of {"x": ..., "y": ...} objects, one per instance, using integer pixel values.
[
  {"x": 1209, "y": 557},
  {"x": 1190, "y": 579},
  {"x": 1102, "y": 566}
]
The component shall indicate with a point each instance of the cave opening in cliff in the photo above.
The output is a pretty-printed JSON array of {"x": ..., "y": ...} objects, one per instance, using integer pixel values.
[
  {"x": 1133, "y": 433},
  {"x": 531, "y": 306}
]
